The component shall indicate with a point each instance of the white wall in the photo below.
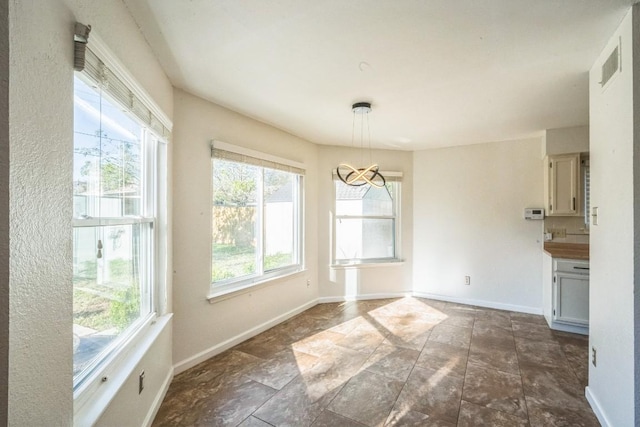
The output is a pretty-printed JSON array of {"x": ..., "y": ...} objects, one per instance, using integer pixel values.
[
  {"x": 611, "y": 310},
  {"x": 202, "y": 329},
  {"x": 370, "y": 281},
  {"x": 468, "y": 216},
  {"x": 130, "y": 409},
  {"x": 41, "y": 137},
  {"x": 4, "y": 208},
  {"x": 566, "y": 140}
]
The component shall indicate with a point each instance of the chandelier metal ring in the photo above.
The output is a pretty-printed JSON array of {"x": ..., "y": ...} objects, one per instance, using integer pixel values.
[{"x": 358, "y": 177}]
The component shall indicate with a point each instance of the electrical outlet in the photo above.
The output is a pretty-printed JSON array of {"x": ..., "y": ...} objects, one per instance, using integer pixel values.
[
  {"x": 467, "y": 280},
  {"x": 593, "y": 356},
  {"x": 141, "y": 382},
  {"x": 308, "y": 282},
  {"x": 560, "y": 233}
]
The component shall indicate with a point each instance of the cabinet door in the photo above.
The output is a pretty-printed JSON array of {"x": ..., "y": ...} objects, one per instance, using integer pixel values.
[
  {"x": 571, "y": 299},
  {"x": 564, "y": 185}
]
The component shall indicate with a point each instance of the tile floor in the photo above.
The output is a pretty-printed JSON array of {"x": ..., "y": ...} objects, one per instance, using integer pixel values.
[{"x": 394, "y": 362}]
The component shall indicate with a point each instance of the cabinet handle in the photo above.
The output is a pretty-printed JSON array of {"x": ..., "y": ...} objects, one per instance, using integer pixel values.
[
  {"x": 580, "y": 268},
  {"x": 574, "y": 203}
]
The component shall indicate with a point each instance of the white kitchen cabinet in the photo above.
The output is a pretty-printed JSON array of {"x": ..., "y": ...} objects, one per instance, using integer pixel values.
[
  {"x": 566, "y": 294},
  {"x": 563, "y": 185},
  {"x": 571, "y": 299}
]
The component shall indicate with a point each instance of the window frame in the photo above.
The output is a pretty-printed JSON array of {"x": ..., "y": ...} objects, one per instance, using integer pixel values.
[
  {"x": 396, "y": 179},
  {"x": 260, "y": 277},
  {"x": 98, "y": 383}
]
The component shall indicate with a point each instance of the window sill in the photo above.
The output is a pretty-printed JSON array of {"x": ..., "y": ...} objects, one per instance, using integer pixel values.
[
  {"x": 93, "y": 399},
  {"x": 224, "y": 294},
  {"x": 374, "y": 264}
]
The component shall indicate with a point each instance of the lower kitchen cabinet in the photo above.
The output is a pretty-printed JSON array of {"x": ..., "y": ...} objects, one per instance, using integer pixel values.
[
  {"x": 566, "y": 294},
  {"x": 571, "y": 299}
]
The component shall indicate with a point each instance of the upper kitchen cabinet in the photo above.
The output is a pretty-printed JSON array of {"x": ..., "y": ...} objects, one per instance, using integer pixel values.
[
  {"x": 565, "y": 175},
  {"x": 562, "y": 196}
]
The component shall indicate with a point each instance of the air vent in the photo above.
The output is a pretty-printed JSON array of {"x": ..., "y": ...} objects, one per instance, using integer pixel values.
[{"x": 611, "y": 66}]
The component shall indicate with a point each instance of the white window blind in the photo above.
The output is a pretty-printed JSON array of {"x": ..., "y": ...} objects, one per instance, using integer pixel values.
[
  {"x": 116, "y": 88},
  {"x": 256, "y": 160}
]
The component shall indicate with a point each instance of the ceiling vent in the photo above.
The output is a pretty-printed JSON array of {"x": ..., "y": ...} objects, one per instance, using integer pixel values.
[{"x": 611, "y": 66}]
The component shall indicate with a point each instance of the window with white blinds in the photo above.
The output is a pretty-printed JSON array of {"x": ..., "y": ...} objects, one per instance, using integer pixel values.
[
  {"x": 119, "y": 251},
  {"x": 257, "y": 225},
  {"x": 367, "y": 222}
]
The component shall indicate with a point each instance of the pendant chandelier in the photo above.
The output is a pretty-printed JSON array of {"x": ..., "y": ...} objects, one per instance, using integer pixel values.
[{"x": 358, "y": 176}]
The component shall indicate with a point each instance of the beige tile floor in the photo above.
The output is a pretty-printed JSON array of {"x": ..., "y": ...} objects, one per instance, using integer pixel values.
[{"x": 393, "y": 362}]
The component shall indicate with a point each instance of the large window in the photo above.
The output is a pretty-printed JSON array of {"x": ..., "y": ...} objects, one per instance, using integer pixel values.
[
  {"x": 366, "y": 223},
  {"x": 256, "y": 213},
  {"x": 114, "y": 213}
]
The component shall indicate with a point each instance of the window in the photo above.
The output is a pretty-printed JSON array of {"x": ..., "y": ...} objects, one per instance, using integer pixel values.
[
  {"x": 257, "y": 219},
  {"x": 117, "y": 274},
  {"x": 366, "y": 223}
]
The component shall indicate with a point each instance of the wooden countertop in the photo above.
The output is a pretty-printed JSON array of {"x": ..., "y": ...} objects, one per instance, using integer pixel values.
[{"x": 567, "y": 250}]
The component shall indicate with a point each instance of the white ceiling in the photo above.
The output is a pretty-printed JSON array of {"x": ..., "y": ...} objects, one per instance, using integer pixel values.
[{"x": 438, "y": 73}]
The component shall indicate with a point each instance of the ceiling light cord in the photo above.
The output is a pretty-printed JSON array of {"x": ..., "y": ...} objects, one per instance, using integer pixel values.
[{"x": 370, "y": 175}]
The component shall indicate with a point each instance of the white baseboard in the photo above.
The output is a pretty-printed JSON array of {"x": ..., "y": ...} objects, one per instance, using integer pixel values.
[
  {"x": 582, "y": 330},
  {"x": 597, "y": 409},
  {"x": 225, "y": 345},
  {"x": 343, "y": 298},
  {"x": 155, "y": 406},
  {"x": 481, "y": 303}
]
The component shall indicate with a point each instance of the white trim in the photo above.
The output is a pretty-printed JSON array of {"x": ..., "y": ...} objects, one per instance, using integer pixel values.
[
  {"x": 227, "y": 344},
  {"x": 91, "y": 400},
  {"x": 100, "y": 48},
  {"x": 575, "y": 329},
  {"x": 324, "y": 300},
  {"x": 597, "y": 409},
  {"x": 256, "y": 154},
  {"x": 481, "y": 303},
  {"x": 391, "y": 263},
  {"x": 235, "y": 290},
  {"x": 106, "y": 222},
  {"x": 155, "y": 406}
]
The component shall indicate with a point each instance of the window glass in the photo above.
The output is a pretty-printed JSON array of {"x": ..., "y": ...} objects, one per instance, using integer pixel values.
[
  {"x": 107, "y": 157},
  {"x": 112, "y": 236},
  {"x": 365, "y": 222},
  {"x": 235, "y": 204},
  {"x": 364, "y": 238},
  {"x": 279, "y": 218},
  {"x": 255, "y": 218}
]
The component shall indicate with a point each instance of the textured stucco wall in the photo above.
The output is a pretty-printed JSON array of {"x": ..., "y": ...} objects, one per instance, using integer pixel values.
[
  {"x": 41, "y": 136},
  {"x": 636, "y": 211},
  {"x": 40, "y": 380},
  {"x": 4, "y": 207}
]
